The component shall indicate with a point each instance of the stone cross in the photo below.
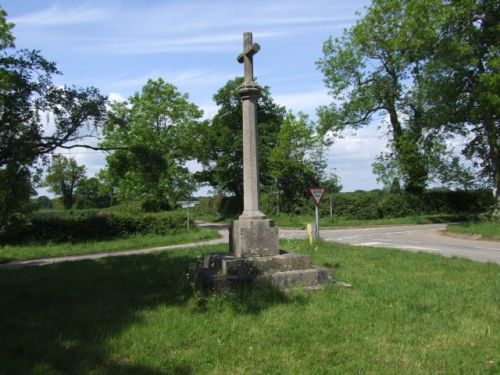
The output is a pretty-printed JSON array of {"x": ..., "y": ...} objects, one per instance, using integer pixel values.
[
  {"x": 252, "y": 235},
  {"x": 249, "y": 92},
  {"x": 246, "y": 57}
]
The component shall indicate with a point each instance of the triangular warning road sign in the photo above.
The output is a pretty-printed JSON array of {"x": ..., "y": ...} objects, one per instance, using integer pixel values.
[{"x": 317, "y": 194}]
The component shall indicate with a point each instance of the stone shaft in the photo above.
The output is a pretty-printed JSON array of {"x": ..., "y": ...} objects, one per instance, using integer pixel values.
[{"x": 249, "y": 95}]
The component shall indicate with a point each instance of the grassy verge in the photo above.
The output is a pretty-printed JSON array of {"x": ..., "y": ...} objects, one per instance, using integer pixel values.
[
  {"x": 301, "y": 220},
  {"x": 10, "y": 253},
  {"x": 485, "y": 230},
  {"x": 407, "y": 313}
]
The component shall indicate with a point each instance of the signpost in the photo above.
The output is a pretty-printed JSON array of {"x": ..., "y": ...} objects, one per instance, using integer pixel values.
[
  {"x": 187, "y": 205},
  {"x": 317, "y": 194}
]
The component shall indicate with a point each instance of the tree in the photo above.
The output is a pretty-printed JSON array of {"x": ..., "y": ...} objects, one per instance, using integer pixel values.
[
  {"x": 296, "y": 162},
  {"x": 376, "y": 68},
  {"x": 28, "y": 98},
  {"x": 63, "y": 175},
  {"x": 152, "y": 137},
  {"x": 44, "y": 202},
  {"x": 221, "y": 151},
  {"x": 463, "y": 80},
  {"x": 90, "y": 193},
  {"x": 331, "y": 182}
]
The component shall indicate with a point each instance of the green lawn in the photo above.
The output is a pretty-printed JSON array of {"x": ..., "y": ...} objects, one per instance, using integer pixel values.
[
  {"x": 10, "y": 253},
  {"x": 485, "y": 230},
  {"x": 407, "y": 313}
]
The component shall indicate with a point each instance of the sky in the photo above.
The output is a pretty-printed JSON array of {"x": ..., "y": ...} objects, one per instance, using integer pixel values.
[{"x": 118, "y": 45}]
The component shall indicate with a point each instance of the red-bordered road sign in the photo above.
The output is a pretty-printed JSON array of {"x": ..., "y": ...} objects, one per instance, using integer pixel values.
[{"x": 317, "y": 194}]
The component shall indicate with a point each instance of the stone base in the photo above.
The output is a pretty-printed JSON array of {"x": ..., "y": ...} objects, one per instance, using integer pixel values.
[
  {"x": 222, "y": 272},
  {"x": 251, "y": 237}
]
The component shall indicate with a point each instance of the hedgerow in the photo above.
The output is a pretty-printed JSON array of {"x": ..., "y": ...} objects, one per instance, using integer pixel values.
[{"x": 90, "y": 225}]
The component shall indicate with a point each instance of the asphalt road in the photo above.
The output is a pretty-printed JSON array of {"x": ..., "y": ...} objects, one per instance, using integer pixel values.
[{"x": 428, "y": 238}]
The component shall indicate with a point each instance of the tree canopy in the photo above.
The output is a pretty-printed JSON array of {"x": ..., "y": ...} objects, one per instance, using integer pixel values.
[
  {"x": 297, "y": 161},
  {"x": 37, "y": 117},
  {"x": 63, "y": 175},
  {"x": 379, "y": 67},
  {"x": 151, "y": 135},
  {"x": 220, "y": 152}
]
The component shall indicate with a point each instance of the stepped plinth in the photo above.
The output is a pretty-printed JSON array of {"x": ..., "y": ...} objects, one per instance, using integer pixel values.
[{"x": 285, "y": 271}]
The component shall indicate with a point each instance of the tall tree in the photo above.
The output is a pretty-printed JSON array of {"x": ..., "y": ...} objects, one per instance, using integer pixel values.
[
  {"x": 27, "y": 97},
  {"x": 375, "y": 68},
  {"x": 90, "y": 193},
  {"x": 296, "y": 162},
  {"x": 221, "y": 151},
  {"x": 152, "y": 138},
  {"x": 63, "y": 175},
  {"x": 463, "y": 80}
]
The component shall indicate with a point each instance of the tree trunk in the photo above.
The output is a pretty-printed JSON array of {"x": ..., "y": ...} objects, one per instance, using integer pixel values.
[{"x": 494, "y": 154}]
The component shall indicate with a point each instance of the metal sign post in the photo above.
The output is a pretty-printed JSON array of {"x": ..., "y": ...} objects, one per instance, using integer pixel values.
[
  {"x": 187, "y": 205},
  {"x": 317, "y": 194}
]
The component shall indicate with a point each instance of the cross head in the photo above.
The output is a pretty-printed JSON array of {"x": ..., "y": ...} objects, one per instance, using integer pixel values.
[{"x": 246, "y": 57}]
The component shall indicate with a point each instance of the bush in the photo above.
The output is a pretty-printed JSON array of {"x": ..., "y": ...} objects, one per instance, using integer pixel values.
[
  {"x": 363, "y": 205},
  {"x": 91, "y": 225}
]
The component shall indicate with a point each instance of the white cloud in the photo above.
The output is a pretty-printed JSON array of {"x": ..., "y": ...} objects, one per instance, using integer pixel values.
[
  {"x": 181, "y": 26},
  {"x": 183, "y": 79},
  {"x": 116, "y": 97},
  {"x": 304, "y": 101},
  {"x": 352, "y": 157},
  {"x": 57, "y": 16},
  {"x": 209, "y": 110}
]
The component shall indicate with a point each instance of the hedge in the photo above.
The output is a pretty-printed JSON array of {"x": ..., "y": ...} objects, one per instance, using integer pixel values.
[
  {"x": 362, "y": 205},
  {"x": 90, "y": 225}
]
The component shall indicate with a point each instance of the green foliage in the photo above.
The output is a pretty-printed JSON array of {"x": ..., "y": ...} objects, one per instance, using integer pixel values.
[
  {"x": 6, "y": 37},
  {"x": 151, "y": 135},
  {"x": 331, "y": 182},
  {"x": 15, "y": 192},
  {"x": 90, "y": 225},
  {"x": 463, "y": 80},
  {"x": 369, "y": 205},
  {"x": 220, "y": 148},
  {"x": 375, "y": 205},
  {"x": 29, "y": 101},
  {"x": 63, "y": 175},
  {"x": 90, "y": 193},
  {"x": 296, "y": 162},
  {"x": 377, "y": 67}
]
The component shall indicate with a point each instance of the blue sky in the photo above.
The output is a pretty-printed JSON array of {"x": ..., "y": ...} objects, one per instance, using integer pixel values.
[{"x": 117, "y": 45}]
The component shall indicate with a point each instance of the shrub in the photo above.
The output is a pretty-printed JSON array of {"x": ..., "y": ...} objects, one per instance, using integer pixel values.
[
  {"x": 362, "y": 205},
  {"x": 92, "y": 225}
]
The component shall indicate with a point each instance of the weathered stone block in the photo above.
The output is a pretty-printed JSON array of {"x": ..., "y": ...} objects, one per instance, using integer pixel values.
[
  {"x": 301, "y": 278},
  {"x": 253, "y": 238},
  {"x": 255, "y": 266}
]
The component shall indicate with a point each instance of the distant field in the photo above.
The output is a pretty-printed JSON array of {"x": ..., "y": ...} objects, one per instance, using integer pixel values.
[
  {"x": 485, "y": 230},
  {"x": 407, "y": 313},
  {"x": 35, "y": 251}
]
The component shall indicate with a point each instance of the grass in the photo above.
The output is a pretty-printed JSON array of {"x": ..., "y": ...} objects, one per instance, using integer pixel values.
[
  {"x": 10, "y": 253},
  {"x": 410, "y": 313},
  {"x": 487, "y": 230}
]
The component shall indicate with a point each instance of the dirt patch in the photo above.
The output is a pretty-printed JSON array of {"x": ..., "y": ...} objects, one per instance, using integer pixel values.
[{"x": 466, "y": 236}]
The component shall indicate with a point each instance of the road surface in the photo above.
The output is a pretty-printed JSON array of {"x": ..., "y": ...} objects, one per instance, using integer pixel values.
[{"x": 428, "y": 238}]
